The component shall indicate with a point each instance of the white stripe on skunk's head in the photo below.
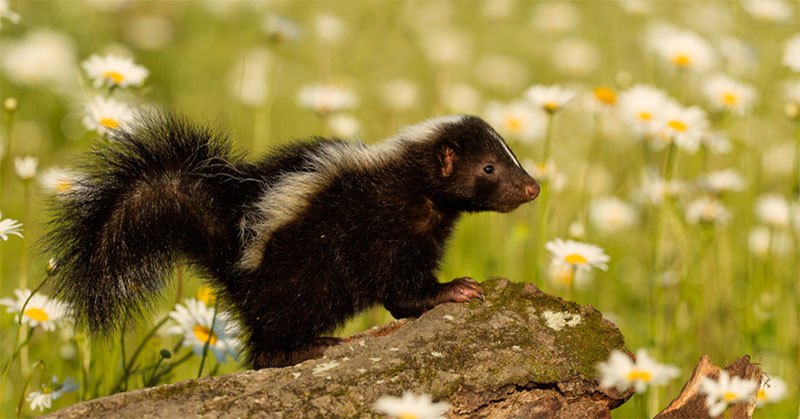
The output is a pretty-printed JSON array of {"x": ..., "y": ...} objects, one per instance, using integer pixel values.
[{"x": 429, "y": 129}]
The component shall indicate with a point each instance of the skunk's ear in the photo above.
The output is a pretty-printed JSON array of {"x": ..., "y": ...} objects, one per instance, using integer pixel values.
[{"x": 446, "y": 155}]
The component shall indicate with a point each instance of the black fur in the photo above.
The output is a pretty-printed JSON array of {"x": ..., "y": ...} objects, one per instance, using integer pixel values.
[{"x": 373, "y": 235}]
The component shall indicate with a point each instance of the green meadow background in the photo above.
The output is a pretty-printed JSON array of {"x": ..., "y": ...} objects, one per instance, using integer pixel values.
[{"x": 710, "y": 295}]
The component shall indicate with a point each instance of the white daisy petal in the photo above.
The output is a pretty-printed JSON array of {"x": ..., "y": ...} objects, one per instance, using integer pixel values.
[
  {"x": 115, "y": 71},
  {"x": 194, "y": 320},
  {"x": 411, "y": 405}
]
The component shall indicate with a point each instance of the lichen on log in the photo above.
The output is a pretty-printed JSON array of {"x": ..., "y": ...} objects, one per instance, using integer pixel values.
[{"x": 518, "y": 353}]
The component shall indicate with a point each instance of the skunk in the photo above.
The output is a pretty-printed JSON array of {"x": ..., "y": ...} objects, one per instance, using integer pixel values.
[{"x": 295, "y": 243}]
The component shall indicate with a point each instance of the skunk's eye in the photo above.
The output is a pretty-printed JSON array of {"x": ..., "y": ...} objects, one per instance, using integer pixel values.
[{"x": 488, "y": 169}]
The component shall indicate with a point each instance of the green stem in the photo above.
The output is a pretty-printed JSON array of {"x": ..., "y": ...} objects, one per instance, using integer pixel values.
[
  {"x": 593, "y": 149},
  {"x": 5, "y": 162},
  {"x": 21, "y": 405},
  {"x": 208, "y": 341},
  {"x": 172, "y": 366},
  {"x": 548, "y": 138},
  {"x": 17, "y": 347},
  {"x": 23, "y": 267},
  {"x": 669, "y": 166},
  {"x": 542, "y": 231},
  {"x": 129, "y": 367},
  {"x": 125, "y": 372}
]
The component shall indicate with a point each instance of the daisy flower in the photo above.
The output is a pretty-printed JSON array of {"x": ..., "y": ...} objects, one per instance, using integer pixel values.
[
  {"x": 547, "y": 173},
  {"x": 114, "y": 71},
  {"x": 722, "y": 181},
  {"x": 684, "y": 126},
  {"x": 43, "y": 399},
  {"x": 39, "y": 58},
  {"x": 461, "y": 98},
  {"x": 611, "y": 214},
  {"x": 791, "y": 53},
  {"x": 725, "y": 93},
  {"x": 564, "y": 277},
  {"x": 550, "y": 98},
  {"x": 725, "y": 390},
  {"x": 9, "y": 226},
  {"x": 330, "y": 29},
  {"x": 716, "y": 142},
  {"x": 206, "y": 295},
  {"x": 576, "y": 230},
  {"x": 656, "y": 190},
  {"x": 345, "y": 126},
  {"x": 107, "y": 115},
  {"x": 516, "y": 120},
  {"x": 7, "y": 13},
  {"x": 555, "y": 17},
  {"x": 194, "y": 323},
  {"x": 326, "y": 98},
  {"x": 604, "y": 96},
  {"x": 577, "y": 255},
  {"x": 683, "y": 49},
  {"x": 792, "y": 91},
  {"x": 58, "y": 180},
  {"x": 25, "y": 167},
  {"x": 280, "y": 28},
  {"x": 707, "y": 210},
  {"x": 640, "y": 108},
  {"x": 621, "y": 372},
  {"x": 769, "y": 10},
  {"x": 772, "y": 390},
  {"x": 501, "y": 72},
  {"x": 40, "y": 310},
  {"x": 575, "y": 57},
  {"x": 400, "y": 94},
  {"x": 773, "y": 210},
  {"x": 411, "y": 406},
  {"x": 446, "y": 47},
  {"x": 247, "y": 80}
]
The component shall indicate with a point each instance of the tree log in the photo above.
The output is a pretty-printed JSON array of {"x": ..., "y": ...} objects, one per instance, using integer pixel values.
[
  {"x": 691, "y": 403},
  {"x": 518, "y": 353}
]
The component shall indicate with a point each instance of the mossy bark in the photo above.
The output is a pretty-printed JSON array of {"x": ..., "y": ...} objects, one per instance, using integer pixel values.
[{"x": 519, "y": 353}]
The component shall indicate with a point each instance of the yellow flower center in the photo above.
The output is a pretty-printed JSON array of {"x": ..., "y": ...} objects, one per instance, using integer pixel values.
[
  {"x": 37, "y": 314},
  {"x": 63, "y": 186},
  {"x": 640, "y": 375},
  {"x": 514, "y": 124},
  {"x": 645, "y": 116},
  {"x": 204, "y": 334},
  {"x": 762, "y": 395},
  {"x": 407, "y": 415},
  {"x": 206, "y": 295},
  {"x": 730, "y": 99},
  {"x": 575, "y": 259},
  {"x": 551, "y": 106},
  {"x": 729, "y": 396},
  {"x": 109, "y": 123},
  {"x": 117, "y": 78},
  {"x": 677, "y": 125},
  {"x": 605, "y": 95},
  {"x": 682, "y": 60}
]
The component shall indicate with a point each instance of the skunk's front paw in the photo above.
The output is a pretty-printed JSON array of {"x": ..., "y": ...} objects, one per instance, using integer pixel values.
[{"x": 460, "y": 290}]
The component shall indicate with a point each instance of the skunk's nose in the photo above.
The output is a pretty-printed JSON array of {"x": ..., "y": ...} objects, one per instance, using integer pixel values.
[{"x": 532, "y": 191}]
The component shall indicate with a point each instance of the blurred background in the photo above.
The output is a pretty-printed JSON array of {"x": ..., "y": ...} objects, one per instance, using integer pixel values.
[{"x": 702, "y": 234}]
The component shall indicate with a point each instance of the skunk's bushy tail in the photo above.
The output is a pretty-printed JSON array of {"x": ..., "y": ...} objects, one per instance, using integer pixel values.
[{"x": 161, "y": 190}]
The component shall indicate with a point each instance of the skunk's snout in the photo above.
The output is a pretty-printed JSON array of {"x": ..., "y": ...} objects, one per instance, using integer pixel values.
[{"x": 532, "y": 191}]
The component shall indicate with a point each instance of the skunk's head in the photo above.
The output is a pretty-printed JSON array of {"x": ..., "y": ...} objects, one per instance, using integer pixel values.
[{"x": 474, "y": 169}]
